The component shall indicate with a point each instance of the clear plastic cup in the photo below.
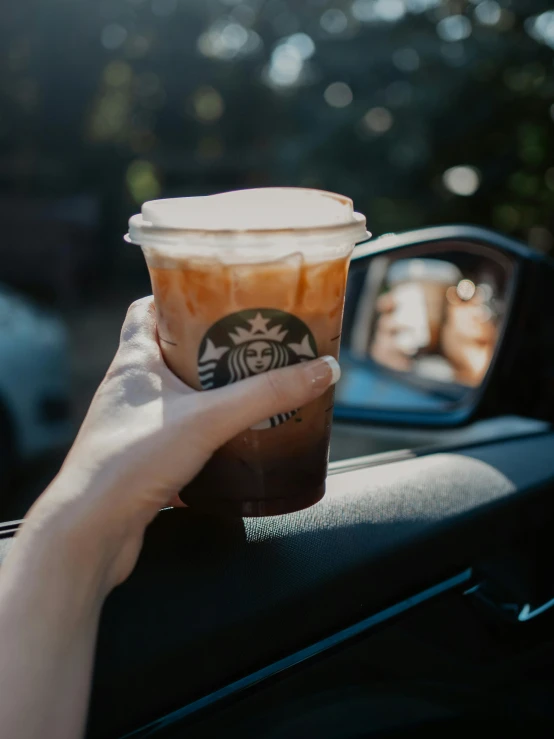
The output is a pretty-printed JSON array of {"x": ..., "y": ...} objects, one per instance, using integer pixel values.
[{"x": 245, "y": 282}]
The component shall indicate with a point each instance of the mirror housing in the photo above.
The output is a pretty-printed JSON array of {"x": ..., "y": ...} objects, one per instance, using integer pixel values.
[{"x": 520, "y": 377}]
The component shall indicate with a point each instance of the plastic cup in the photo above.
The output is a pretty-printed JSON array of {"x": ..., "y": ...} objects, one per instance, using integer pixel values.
[{"x": 244, "y": 282}]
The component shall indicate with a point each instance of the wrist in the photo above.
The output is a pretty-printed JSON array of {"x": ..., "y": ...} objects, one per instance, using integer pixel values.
[
  {"x": 83, "y": 540},
  {"x": 41, "y": 567}
]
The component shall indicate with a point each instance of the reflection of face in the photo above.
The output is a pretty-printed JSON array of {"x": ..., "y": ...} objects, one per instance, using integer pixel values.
[{"x": 258, "y": 356}]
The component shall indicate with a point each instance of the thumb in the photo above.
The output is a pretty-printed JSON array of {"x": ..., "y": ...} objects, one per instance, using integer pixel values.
[{"x": 231, "y": 409}]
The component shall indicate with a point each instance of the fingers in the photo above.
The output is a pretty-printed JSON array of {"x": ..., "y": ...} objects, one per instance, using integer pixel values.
[
  {"x": 176, "y": 502},
  {"x": 138, "y": 344},
  {"x": 229, "y": 410},
  {"x": 385, "y": 303},
  {"x": 388, "y": 326},
  {"x": 140, "y": 321}
]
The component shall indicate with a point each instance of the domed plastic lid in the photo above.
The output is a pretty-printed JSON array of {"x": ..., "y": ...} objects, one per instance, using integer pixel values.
[
  {"x": 245, "y": 217},
  {"x": 424, "y": 270}
]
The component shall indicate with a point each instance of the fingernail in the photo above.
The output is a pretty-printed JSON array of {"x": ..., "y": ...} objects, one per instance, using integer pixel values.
[{"x": 324, "y": 372}]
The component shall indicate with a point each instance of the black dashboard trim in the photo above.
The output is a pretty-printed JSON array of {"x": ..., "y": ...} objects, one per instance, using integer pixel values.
[{"x": 303, "y": 655}]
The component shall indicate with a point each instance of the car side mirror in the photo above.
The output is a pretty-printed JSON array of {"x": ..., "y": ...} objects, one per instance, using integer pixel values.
[{"x": 446, "y": 325}]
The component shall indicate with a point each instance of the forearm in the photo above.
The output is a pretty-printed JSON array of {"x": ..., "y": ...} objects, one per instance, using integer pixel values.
[
  {"x": 49, "y": 612},
  {"x": 83, "y": 536}
]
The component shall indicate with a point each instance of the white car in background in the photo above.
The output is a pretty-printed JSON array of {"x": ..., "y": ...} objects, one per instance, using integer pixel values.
[{"x": 34, "y": 382}]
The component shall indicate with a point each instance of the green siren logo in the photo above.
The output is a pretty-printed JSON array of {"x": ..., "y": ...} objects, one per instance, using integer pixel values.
[{"x": 249, "y": 342}]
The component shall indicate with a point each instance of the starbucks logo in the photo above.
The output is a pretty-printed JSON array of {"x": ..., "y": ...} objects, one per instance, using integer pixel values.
[{"x": 249, "y": 342}]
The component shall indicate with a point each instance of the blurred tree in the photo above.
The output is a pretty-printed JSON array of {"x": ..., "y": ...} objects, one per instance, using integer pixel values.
[{"x": 424, "y": 111}]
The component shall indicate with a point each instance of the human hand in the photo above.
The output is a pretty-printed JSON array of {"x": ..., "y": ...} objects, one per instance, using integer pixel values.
[
  {"x": 468, "y": 337},
  {"x": 384, "y": 348},
  {"x": 146, "y": 435}
]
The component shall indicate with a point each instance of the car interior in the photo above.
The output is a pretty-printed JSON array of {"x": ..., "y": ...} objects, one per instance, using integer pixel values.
[
  {"x": 416, "y": 596},
  {"x": 417, "y": 590}
]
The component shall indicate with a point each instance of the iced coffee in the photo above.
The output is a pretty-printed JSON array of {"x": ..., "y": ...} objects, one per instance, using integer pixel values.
[{"x": 233, "y": 302}]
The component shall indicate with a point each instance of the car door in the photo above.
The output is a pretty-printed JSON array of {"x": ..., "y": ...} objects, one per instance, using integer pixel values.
[{"x": 226, "y": 620}]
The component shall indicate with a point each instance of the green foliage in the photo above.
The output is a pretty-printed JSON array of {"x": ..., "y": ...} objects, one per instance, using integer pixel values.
[{"x": 130, "y": 99}]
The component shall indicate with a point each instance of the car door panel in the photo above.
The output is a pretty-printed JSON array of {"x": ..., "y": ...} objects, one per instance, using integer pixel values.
[{"x": 213, "y": 600}]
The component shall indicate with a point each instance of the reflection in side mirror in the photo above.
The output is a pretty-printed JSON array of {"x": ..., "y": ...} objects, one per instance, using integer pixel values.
[
  {"x": 434, "y": 320},
  {"x": 423, "y": 325}
]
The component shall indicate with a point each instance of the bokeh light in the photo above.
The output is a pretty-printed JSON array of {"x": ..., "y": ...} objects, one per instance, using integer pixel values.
[
  {"x": 302, "y": 43},
  {"x": 541, "y": 28},
  {"x": 454, "y": 28},
  {"x": 465, "y": 289},
  {"x": 378, "y": 120},
  {"x": 208, "y": 104},
  {"x": 462, "y": 180},
  {"x": 142, "y": 181},
  {"x": 363, "y": 10},
  {"x": 488, "y": 12},
  {"x": 421, "y": 6},
  {"x": 334, "y": 20},
  {"x": 338, "y": 95},
  {"x": 113, "y": 36},
  {"x": 226, "y": 40},
  {"x": 390, "y": 10},
  {"x": 384, "y": 11},
  {"x": 285, "y": 66}
]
